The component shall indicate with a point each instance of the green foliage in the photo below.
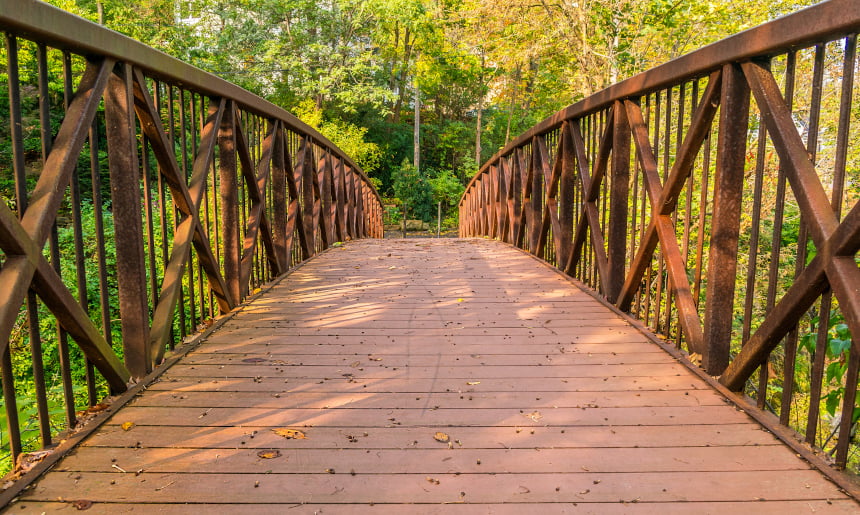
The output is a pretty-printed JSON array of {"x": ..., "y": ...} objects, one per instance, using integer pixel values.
[
  {"x": 414, "y": 191},
  {"x": 347, "y": 136},
  {"x": 447, "y": 188}
]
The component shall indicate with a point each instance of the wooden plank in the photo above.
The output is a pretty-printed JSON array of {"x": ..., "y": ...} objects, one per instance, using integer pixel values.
[
  {"x": 381, "y": 371},
  {"x": 474, "y": 400},
  {"x": 365, "y": 359},
  {"x": 513, "y": 417},
  {"x": 342, "y": 487},
  {"x": 440, "y": 460},
  {"x": 261, "y": 437},
  {"x": 348, "y": 384},
  {"x": 322, "y": 346},
  {"x": 511, "y": 508}
]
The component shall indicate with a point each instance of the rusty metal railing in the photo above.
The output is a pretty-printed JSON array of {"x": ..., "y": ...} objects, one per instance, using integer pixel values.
[
  {"x": 165, "y": 196},
  {"x": 715, "y": 198}
]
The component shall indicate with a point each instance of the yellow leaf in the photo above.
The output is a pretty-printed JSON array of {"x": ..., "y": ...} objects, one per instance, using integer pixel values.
[
  {"x": 441, "y": 437},
  {"x": 534, "y": 415},
  {"x": 289, "y": 434},
  {"x": 268, "y": 455},
  {"x": 126, "y": 426},
  {"x": 473, "y": 383},
  {"x": 459, "y": 300}
]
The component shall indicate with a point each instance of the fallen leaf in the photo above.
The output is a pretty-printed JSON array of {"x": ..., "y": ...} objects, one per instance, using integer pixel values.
[
  {"x": 433, "y": 480},
  {"x": 126, "y": 426},
  {"x": 535, "y": 415},
  {"x": 289, "y": 434},
  {"x": 473, "y": 383},
  {"x": 82, "y": 504},
  {"x": 94, "y": 409},
  {"x": 27, "y": 460},
  {"x": 268, "y": 455},
  {"x": 459, "y": 300},
  {"x": 441, "y": 437}
]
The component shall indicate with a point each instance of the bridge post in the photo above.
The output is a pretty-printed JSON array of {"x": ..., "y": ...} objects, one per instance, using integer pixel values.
[
  {"x": 728, "y": 192},
  {"x": 279, "y": 199},
  {"x": 128, "y": 227},
  {"x": 618, "y": 200},
  {"x": 229, "y": 196}
]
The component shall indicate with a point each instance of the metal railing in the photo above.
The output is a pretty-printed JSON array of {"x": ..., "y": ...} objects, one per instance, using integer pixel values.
[
  {"x": 715, "y": 199},
  {"x": 165, "y": 196}
]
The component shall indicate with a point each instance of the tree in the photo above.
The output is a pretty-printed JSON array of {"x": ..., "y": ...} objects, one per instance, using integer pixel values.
[{"x": 414, "y": 191}]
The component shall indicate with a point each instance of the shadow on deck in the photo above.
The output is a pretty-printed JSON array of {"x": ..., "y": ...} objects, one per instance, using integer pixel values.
[{"x": 380, "y": 351}]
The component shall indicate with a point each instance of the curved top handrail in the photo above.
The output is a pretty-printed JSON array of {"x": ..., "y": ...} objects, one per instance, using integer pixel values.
[
  {"x": 65, "y": 31},
  {"x": 832, "y": 18}
]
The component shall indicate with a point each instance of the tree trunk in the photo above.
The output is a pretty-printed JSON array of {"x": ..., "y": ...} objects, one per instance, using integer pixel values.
[
  {"x": 478, "y": 131},
  {"x": 417, "y": 129},
  {"x": 480, "y": 114},
  {"x": 513, "y": 105},
  {"x": 402, "y": 86}
]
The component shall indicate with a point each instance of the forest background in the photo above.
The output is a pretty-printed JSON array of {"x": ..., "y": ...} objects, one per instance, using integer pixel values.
[{"x": 475, "y": 73}]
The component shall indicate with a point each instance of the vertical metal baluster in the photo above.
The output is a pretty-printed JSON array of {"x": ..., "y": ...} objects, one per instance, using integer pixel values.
[
  {"x": 46, "y": 137},
  {"x": 688, "y": 197},
  {"x": 101, "y": 253},
  {"x": 162, "y": 197},
  {"x": 9, "y": 395},
  {"x": 703, "y": 217},
  {"x": 171, "y": 136},
  {"x": 803, "y": 235},
  {"x": 752, "y": 260},
  {"x": 642, "y": 312},
  {"x": 35, "y": 338},
  {"x": 776, "y": 239},
  {"x": 150, "y": 227},
  {"x": 842, "y": 138},
  {"x": 598, "y": 129},
  {"x": 80, "y": 265},
  {"x": 183, "y": 163},
  {"x": 663, "y": 292},
  {"x": 846, "y": 424},
  {"x": 679, "y": 137},
  {"x": 656, "y": 297},
  {"x": 196, "y": 118},
  {"x": 215, "y": 230}
]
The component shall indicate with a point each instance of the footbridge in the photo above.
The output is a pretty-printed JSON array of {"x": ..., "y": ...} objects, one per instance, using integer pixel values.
[{"x": 652, "y": 306}]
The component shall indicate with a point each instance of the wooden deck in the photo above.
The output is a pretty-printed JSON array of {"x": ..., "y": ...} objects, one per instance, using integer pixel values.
[{"x": 550, "y": 402}]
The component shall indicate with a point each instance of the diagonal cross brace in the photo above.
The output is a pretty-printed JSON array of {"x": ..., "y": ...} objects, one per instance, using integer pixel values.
[
  {"x": 23, "y": 240},
  {"x": 589, "y": 220},
  {"x": 835, "y": 242}
]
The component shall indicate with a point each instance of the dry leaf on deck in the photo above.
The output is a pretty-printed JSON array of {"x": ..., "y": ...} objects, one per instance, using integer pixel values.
[
  {"x": 82, "y": 504},
  {"x": 126, "y": 426},
  {"x": 269, "y": 454},
  {"x": 289, "y": 434},
  {"x": 441, "y": 437}
]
